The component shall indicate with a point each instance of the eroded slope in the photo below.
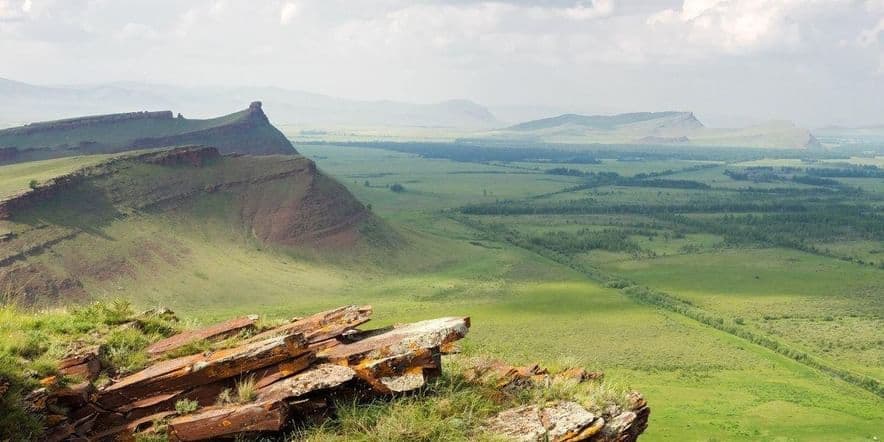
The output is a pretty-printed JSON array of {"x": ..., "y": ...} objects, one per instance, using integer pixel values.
[{"x": 55, "y": 236}]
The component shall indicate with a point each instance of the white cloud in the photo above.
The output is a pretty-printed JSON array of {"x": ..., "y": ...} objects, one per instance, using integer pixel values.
[
  {"x": 137, "y": 31},
  {"x": 288, "y": 12},
  {"x": 636, "y": 54},
  {"x": 598, "y": 9},
  {"x": 872, "y": 36},
  {"x": 14, "y": 10},
  {"x": 736, "y": 26}
]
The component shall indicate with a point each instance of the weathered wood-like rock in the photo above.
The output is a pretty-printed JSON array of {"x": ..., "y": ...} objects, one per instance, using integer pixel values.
[
  {"x": 402, "y": 340},
  {"x": 191, "y": 371},
  {"x": 83, "y": 364},
  {"x": 216, "y": 331},
  {"x": 220, "y": 422},
  {"x": 579, "y": 374},
  {"x": 400, "y": 359},
  {"x": 320, "y": 377},
  {"x": 629, "y": 424},
  {"x": 127, "y": 431},
  {"x": 518, "y": 424},
  {"x": 322, "y": 326},
  {"x": 282, "y": 370},
  {"x": 510, "y": 377},
  {"x": 298, "y": 370},
  {"x": 558, "y": 422}
]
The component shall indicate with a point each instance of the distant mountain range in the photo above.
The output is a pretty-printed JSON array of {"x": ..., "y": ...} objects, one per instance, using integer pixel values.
[
  {"x": 24, "y": 103},
  {"x": 679, "y": 128}
]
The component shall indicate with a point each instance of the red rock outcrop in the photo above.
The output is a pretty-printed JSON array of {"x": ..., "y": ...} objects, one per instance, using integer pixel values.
[{"x": 293, "y": 369}]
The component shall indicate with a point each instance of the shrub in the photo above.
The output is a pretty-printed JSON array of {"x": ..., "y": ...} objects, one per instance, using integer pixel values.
[
  {"x": 245, "y": 390},
  {"x": 186, "y": 406},
  {"x": 398, "y": 188}
]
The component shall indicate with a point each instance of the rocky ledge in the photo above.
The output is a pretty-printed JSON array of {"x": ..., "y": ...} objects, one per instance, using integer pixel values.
[{"x": 297, "y": 371}]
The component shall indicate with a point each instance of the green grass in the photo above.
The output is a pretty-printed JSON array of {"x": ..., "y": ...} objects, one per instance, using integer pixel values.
[
  {"x": 624, "y": 168},
  {"x": 14, "y": 178},
  {"x": 791, "y": 295},
  {"x": 702, "y": 383}
]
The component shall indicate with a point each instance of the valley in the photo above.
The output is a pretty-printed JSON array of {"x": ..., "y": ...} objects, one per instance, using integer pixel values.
[{"x": 752, "y": 339}]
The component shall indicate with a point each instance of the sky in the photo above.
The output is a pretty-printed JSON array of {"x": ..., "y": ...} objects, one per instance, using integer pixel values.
[{"x": 815, "y": 62}]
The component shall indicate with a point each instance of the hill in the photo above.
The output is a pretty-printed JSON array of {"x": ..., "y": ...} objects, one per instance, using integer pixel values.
[
  {"x": 611, "y": 122},
  {"x": 129, "y": 216},
  {"x": 248, "y": 131},
  {"x": 25, "y": 102},
  {"x": 680, "y": 128}
]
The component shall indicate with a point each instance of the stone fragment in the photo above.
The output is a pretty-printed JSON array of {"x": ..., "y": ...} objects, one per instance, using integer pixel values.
[
  {"x": 558, "y": 422},
  {"x": 320, "y": 377},
  {"x": 518, "y": 424},
  {"x": 403, "y": 340},
  {"x": 399, "y": 359},
  {"x": 322, "y": 326},
  {"x": 216, "y": 331},
  {"x": 220, "y": 422},
  {"x": 569, "y": 421},
  {"x": 579, "y": 374},
  {"x": 126, "y": 432},
  {"x": 191, "y": 371}
]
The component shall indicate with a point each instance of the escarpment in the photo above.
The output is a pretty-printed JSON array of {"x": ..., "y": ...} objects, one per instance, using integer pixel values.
[
  {"x": 246, "y": 132},
  {"x": 280, "y": 200}
]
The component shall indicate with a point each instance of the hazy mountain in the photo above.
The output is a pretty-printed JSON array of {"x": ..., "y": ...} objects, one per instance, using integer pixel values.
[
  {"x": 630, "y": 121},
  {"x": 656, "y": 128},
  {"x": 248, "y": 132},
  {"x": 25, "y": 103}
]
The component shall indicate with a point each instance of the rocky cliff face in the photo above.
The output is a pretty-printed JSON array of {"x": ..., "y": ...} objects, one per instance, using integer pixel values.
[{"x": 279, "y": 200}]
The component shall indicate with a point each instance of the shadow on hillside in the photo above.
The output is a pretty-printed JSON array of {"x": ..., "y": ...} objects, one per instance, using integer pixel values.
[{"x": 84, "y": 207}]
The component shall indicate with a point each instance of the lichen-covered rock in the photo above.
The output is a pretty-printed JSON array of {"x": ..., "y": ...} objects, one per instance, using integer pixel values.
[
  {"x": 320, "y": 377},
  {"x": 558, "y": 422}
]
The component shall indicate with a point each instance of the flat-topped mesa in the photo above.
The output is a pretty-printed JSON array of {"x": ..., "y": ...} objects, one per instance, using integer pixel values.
[
  {"x": 248, "y": 131},
  {"x": 91, "y": 120}
]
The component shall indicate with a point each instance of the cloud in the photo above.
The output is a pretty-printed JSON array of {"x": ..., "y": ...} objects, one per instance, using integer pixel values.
[
  {"x": 636, "y": 55},
  {"x": 288, "y": 12},
  {"x": 735, "y": 26},
  {"x": 14, "y": 10},
  {"x": 598, "y": 9},
  {"x": 137, "y": 31},
  {"x": 871, "y": 36}
]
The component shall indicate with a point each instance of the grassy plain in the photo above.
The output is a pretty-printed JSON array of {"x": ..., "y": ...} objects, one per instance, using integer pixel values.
[
  {"x": 708, "y": 385},
  {"x": 702, "y": 383}
]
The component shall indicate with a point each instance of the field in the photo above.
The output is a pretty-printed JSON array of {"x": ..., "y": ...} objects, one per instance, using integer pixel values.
[
  {"x": 548, "y": 286},
  {"x": 707, "y": 383}
]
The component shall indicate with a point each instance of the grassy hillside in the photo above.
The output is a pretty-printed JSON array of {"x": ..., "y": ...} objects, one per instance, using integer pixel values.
[
  {"x": 248, "y": 131},
  {"x": 18, "y": 178},
  {"x": 200, "y": 259},
  {"x": 98, "y": 225}
]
